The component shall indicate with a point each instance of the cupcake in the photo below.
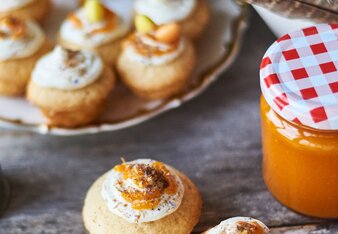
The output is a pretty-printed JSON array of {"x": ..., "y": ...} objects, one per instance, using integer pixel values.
[
  {"x": 192, "y": 15},
  {"x": 70, "y": 87},
  {"x": 240, "y": 225},
  {"x": 142, "y": 196},
  {"x": 94, "y": 27},
  {"x": 22, "y": 43},
  {"x": 25, "y": 9},
  {"x": 156, "y": 62}
]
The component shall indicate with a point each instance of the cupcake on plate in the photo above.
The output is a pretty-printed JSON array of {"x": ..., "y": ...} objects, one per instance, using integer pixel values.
[
  {"x": 142, "y": 196},
  {"x": 156, "y": 62},
  {"x": 240, "y": 225},
  {"x": 25, "y": 9},
  {"x": 22, "y": 43},
  {"x": 192, "y": 15},
  {"x": 70, "y": 87},
  {"x": 94, "y": 27}
]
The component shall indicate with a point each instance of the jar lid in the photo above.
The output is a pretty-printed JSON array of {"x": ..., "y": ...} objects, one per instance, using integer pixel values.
[{"x": 299, "y": 76}]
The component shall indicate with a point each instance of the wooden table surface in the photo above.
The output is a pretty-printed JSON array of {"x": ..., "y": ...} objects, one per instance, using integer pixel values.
[{"x": 214, "y": 139}]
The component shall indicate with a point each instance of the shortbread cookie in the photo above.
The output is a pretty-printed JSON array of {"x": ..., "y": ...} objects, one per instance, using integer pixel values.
[
  {"x": 170, "y": 202},
  {"x": 70, "y": 87},
  {"x": 94, "y": 27},
  {"x": 157, "y": 64},
  {"x": 22, "y": 43}
]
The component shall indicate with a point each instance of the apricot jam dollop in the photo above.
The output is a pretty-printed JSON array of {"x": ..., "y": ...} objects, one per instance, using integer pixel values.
[
  {"x": 154, "y": 180},
  {"x": 143, "y": 190}
]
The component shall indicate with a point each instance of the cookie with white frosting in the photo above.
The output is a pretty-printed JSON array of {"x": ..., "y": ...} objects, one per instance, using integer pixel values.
[
  {"x": 22, "y": 43},
  {"x": 70, "y": 87},
  {"x": 142, "y": 196},
  {"x": 156, "y": 61},
  {"x": 240, "y": 225},
  {"x": 192, "y": 15},
  {"x": 25, "y": 9},
  {"x": 94, "y": 27}
]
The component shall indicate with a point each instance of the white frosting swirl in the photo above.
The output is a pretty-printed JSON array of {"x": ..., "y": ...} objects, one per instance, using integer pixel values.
[
  {"x": 155, "y": 59},
  {"x": 8, "y": 5},
  {"x": 67, "y": 70},
  {"x": 115, "y": 183},
  {"x": 165, "y": 11},
  {"x": 83, "y": 35},
  {"x": 22, "y": 47},
  {"x": 230, "y": 226}
]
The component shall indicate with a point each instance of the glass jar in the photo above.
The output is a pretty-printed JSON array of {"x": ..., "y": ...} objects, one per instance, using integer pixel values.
[
  {"x": 300, "y": 165},
  {"x": 299, "y": 111}
]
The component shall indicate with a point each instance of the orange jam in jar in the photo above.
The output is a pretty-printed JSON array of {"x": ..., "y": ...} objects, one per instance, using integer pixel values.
[
  {"x": 300, "y": 165},
  {"x": 299, "y": 109}
]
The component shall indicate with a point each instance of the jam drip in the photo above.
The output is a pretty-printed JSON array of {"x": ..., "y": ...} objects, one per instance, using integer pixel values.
[
  {"x": 13, "y": 28},
  {"x": 109, "y": 22},
  {"x": 152, "y": 181},
  {"x": 249, "y": 227},
  {"x": 142, "y": 48}
]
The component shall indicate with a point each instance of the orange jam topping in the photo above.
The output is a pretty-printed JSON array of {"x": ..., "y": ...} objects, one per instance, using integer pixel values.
[
  {"x": 149, "y": 50},
  {"x": 110, "y": 21},
  {"x": 249, "y": 227},
  {"x": 16, "y": 28},
  {"x": 153, "y": 180},
  {"x": 75, "y": 20}
]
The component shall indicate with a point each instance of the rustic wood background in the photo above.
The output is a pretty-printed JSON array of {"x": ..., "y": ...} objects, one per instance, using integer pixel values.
[{"x": 214, "y": 139}]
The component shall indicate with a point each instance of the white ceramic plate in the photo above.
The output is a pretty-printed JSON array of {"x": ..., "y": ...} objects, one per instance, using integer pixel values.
[{"x": 216, "y": 50}]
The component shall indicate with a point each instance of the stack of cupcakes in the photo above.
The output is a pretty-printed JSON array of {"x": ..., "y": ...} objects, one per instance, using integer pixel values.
[{"x": 71, "y": 84}]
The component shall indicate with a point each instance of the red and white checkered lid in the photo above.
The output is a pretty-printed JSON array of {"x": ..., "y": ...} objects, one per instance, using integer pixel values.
[{"x": 299, "y": 76}]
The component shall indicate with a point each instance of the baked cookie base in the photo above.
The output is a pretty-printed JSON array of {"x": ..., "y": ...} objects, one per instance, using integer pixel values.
[
  {"x": 37, "y": 10},
  {"x": 160, "y": 81},
  {"x": 72, "y": 108},
  {"x": 99, "y": 220},
  {"x": 15, "y": 74}
]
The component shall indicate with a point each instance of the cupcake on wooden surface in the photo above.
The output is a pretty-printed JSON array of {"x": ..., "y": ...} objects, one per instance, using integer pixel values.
[
  {"x": 70, "y": 87},
  {"x": 156, "y": 61},
  {"x": 94, "y": 27},
  {"x": 142, "y": 196},
  {"x": 22, "y": 43},
  {"x": 192, "y": 15},
  {"x": 25, "y": 9}
]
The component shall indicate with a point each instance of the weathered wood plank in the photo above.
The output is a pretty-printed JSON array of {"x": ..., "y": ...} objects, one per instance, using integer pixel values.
[
  {"x": 214, "y": 139},
  {"x": 308, "y": 229}
]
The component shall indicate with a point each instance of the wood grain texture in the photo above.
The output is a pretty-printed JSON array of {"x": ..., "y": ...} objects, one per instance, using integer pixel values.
[
  {"x": 214, "y": 139},
  {"x": 308, "y": 229}
]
